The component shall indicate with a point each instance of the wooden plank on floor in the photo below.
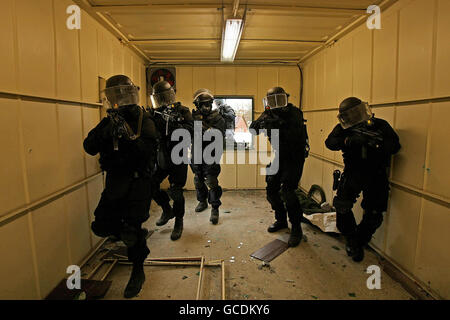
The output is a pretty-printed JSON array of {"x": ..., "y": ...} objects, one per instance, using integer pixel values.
[{"x": 270, "y": 251}]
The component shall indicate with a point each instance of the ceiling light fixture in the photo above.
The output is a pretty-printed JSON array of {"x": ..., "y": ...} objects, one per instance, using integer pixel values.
[{"x": 230, "y": 39}]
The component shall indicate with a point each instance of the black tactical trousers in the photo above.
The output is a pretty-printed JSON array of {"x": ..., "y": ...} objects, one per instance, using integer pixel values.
[
  {"x": 123, "y": 207},
  {"x": 177, "y": 178},
  {"x": 286, "y": 179},
  {"x": 206, "y": 178},
  {"x": 374, "y": 185}
]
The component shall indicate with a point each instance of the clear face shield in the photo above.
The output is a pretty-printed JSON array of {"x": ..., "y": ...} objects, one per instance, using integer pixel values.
[
  {"x": 355, "y": 115},
  {"x": 122, "y": 95},
  {"x": 274, "y": 101},
  {"x": 164, "y": 98}
]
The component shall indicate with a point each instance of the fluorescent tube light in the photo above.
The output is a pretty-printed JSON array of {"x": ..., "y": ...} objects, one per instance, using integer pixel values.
[{"x": 231, "y": 38}]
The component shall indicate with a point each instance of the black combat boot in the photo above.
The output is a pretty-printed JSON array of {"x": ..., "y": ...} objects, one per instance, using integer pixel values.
[
  {"x": 177, "y": 229},
  {"x": 354, "y": 249},
  {"x": 277, "y": 225},
  {"x": 296, "y": 235},
  {"x": 214, "y": 216},
  {"x": 137, "y": 278},
  {"x": 202, "y": 205},
  {"x": 166, "y": 215}
]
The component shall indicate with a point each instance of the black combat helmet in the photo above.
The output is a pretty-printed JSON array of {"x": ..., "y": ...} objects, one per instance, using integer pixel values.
[
  {"x": 163, "y": 94},
  {"x": 203, "y": 100},
  {"x": 353, "y": 111},
  {"x": 276, "y": 97},
  {"x": 120, "y": 91}
]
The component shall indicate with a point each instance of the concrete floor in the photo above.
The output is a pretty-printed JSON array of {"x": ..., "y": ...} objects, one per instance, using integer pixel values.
[{"x": 317, "y": 269}]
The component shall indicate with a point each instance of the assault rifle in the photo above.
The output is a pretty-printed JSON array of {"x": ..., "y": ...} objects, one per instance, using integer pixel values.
[
  {"x": 169, "y": 115},
  {"x": 374, "y": 138}
]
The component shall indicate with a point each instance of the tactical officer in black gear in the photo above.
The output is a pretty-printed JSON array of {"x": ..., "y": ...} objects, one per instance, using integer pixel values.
[
  {"x": 367, "y": 144},
  {"x": 206, "y": 174},
  {"x": 229, "y": 116},
  {"x": 126, "y": 141},
  {"x": 288, "y": 119},
  {"x": 169, "y": 116}
]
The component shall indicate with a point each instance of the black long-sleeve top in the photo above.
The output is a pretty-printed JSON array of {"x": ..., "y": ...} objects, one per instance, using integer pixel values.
[
  {"x": 379, "y": 157},
  {"x": 132, "y": 155}
]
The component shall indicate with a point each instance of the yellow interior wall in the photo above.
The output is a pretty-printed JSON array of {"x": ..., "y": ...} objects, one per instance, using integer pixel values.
[
  {"x": 253, "y": 81},
  {"x": 407, "y": 60},
  {"x": 48, "y": 104}
]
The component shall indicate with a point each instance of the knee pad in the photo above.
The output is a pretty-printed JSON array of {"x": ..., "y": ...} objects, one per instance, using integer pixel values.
[
  {"x": 343, "y": 206},
  {"x": 374, "y": 218},
  {"x": 212, "y": 182},
  {"x": 214, "y": 194},
  {"x": 176, "y": 193},
  {"x": 198, "y": 182}
]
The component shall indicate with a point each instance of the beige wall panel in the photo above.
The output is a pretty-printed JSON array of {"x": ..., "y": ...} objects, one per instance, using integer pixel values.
[
  {"x": 71, "y": 143},
  {"x": 411, "y": 124},
  {"x": 247, "y": 82},
  {"x": 402, "y": 229},
  {"x": 289, "y": 79},
  {"x": 136, "y": 69},
  {"x": 442, "y": 67},
  {"x": 127, "y": 63},
  {"x": 104, "y": 54},
  {"x": 246, "y": 173},
  {"x": 8, "y": 79},
  {"x": 190, "y": 180},
  {"x": 41, "y": 148},
  {"x": 362, "y": 63},
  {"x": 143, "y": 84},
  {"x": 385, "y": 60},
  {"x": 117, "y": 56},
  {"x": 312, "y": 173},
  {"x": 344, "y": 68},
  {"x": 316, "y": 131},
  {"x": 260, "y": 178},
  {"x": 78, "y": 224},
  {"x": 67, "y": 55},
  {"x": 204, "y": 77},
  {"x": 36, "y": 47},
  {"x": 17, "y": 274},
  {"x": 11, "y": 183},
  {"x": 320, "y": 81},
  {"x": 432, "y": 259},
  {"x": 91, "y": 117},
  {"x": 227, "y": 178},
  {"x": 385, "y": 113},
  {"x": 94, "y": 192},
  {"x": 50, "y": 235},
  {"x": 415, "y": 50},
  {"x": 225, "y": 81},
  {"x": 89, "y": 64},
  {"x": 184, "y": 86},
  {"x": 329, "y": 122},
  {"x": 438, "y": 175},
  {"x": 267, "y": 78},
  {"x": 330, "y": 78},
  {"x": 309, "y": 89}
]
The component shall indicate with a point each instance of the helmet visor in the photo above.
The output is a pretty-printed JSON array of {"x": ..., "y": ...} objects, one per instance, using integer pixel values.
[
  {"x": 122, "y": 95},
  {"x": 355, "y": 115},
  {"x": 277, "y": 100},
  {"x": 164, "y": 98}
]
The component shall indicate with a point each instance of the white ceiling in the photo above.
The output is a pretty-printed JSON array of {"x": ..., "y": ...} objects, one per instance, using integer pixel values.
[{"x": 174, "y": 31}]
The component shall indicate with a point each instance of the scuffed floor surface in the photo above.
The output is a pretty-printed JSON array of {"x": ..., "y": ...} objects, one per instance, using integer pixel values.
[{"x": 317, "y": 269}]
